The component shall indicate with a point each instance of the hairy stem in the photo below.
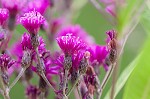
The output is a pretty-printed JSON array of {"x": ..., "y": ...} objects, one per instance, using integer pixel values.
[
  {"x": 79, "y": 92},
  {"x": 17, "y": 78},
  {"x": 42, "y": 72},
  {"x": 65, "y": 83},
  {"x": 5, "y": 89},
  {"x": 42, "y": 95},
  {"x": 73, "y": 86},
  {"x": 47, "y": 82},
  {"x": 106, "y": 78}
]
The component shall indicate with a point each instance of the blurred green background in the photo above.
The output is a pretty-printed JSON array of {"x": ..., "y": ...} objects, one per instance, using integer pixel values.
[{"x": 92, "y": 21}]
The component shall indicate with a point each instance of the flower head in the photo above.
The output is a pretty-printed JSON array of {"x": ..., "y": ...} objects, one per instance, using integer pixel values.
[
  {"x": 14, "y": 6},
  {"x": 26, "y": 42},
  {"x": 6, "y": 62},
  {"x": 77, "y": 31},
  {"x": 32, "y": 21},
  {"x": 70, "y": 44},
  {"x": 38, "y": 5},
  {"x": 3, "y": 15},
  {"x": 76, "y": 58},
  {"x": 98, "y": 55},
  {"x": 111, "y": 34}
]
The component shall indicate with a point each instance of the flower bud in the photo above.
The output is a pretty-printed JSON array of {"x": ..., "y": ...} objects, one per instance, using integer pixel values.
[
  {"x": 26, "y": 59},
  {"x": 67, "y": 62}
]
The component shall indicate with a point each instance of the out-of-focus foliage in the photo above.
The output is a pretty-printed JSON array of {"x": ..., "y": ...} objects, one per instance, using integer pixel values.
[
  {"x": 128, "y": 10},
  {"x": 123, "y": 78},
  {"x": 145, "y": 20},
  {"x": 138, "y": 85}
]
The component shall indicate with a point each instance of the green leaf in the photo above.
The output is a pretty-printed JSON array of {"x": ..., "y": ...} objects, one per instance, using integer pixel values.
[
  {"x": 145, "y": 20},
  {"x": 138, "y": 84},
  {"x": 123, "y": 78}
]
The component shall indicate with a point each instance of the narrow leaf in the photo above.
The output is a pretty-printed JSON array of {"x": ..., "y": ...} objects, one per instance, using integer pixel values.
[
  {"x": 138, "y": 84},
  {"x": 123, "y": 78}
]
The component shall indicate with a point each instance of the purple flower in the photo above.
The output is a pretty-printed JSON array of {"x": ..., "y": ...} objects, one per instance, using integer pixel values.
[
  {"x": 50, "y": 69},
  {"x": 32, "y": 92},
  {"x": 70, "y": 44},
  {"x": 17, "y": 52},
  {"x": 38, "y": 5},
  {"x": 111, "y": 9},
  {"x": 59, "y": 60},
  {"x": 56, "y": 24},
  {"x": 3, "y": 15},
  {"x": 6, "y": 62},
  {"x": 111, "y": 34},
  {"x": 14, "y": 6},
  {"x": 26, "y": 42},
  {"x": 42, "y": 45},
  {"x": 98, "y": 55},
  {"x": 32, "y": 21},
  {"x": 110, "y": 6},
  {"x": 76, "y": 58},
  {"x": 77, "y": 31}
]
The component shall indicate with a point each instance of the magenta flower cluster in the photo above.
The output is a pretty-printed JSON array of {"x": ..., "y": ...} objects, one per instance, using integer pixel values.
[{"x": 67, "y": 52}]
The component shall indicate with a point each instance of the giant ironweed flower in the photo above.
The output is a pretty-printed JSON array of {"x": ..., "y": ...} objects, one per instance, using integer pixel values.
[
  {"x": 32, "y": 21},
  {"x": 14, "y": 6},
  {"x": 98, "y": 55},
  {"x": 77, "y": 31},
  {"x": 38, "y": 5},
  {"x": 26, "y": 42},
  {"x": 70, "y": 44},
  {"x": 3, "y": 15},
  {"x": 6, "y": 62},
  {"x": 76, "y": 59}
]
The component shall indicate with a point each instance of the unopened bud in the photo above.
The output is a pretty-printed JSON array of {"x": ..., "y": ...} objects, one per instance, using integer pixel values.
[
  {"x": 84, "y": 63},
  {"x": 26, "y": 59},
  {"x": 83, "y": 66},
  {"x": 35, "y": 40},
  {"x": 74, "y": 75},
  {"x": 67, "y": 62},
  {"x": 40, "y": 67}
]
